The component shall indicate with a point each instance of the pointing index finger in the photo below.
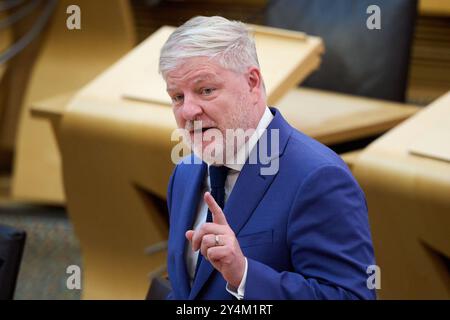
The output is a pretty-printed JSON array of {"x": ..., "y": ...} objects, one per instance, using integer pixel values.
[{"x": 217, "y": 213}]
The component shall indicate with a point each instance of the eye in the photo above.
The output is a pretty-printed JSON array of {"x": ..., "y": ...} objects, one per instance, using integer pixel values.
[
  {"x": 207, "y": 91},
  {"x": 177, "y": 98}
]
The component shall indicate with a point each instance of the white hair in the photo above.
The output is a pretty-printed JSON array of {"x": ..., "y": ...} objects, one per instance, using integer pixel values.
[{"x": 230, "y": 43}]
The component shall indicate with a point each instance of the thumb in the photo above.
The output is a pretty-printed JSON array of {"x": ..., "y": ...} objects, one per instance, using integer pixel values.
[{"x": 189, "y": 234}]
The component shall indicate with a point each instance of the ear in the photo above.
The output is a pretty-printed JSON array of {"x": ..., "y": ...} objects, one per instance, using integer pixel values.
[{"x": 254, "y": 80}]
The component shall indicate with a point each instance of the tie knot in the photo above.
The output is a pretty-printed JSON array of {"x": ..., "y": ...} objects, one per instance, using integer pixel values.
[{"x": 217, "y": 176}]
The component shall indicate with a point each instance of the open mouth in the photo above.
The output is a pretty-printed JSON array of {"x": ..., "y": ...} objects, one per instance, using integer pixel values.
[
  {"x": 200, "y": 132},
  {"x": 203, "y": 130}
]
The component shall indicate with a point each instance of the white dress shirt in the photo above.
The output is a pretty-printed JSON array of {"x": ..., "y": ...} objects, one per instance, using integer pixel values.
[{"x": 233, "y": 174}]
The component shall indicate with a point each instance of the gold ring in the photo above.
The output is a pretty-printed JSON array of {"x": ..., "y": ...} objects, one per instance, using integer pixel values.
[{"x": 216, "y": 240}]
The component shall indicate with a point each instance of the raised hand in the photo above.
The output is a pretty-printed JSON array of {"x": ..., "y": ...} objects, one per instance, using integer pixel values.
[{"x": 218, "y": 243}]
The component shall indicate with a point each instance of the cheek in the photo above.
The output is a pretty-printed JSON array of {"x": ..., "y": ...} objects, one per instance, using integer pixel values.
[
  {"x": 225, "y": 109},
  {"x": 178, "y": 117}
]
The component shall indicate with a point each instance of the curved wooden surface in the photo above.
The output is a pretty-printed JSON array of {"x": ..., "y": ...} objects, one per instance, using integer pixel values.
[
  {"x": 116, "y": 166},
  {"x": 15, "y": 73},
  {"x": 333, "y": 117},
  {"x": 409, "y": 204},
  {"x": 67, "y": 61}
]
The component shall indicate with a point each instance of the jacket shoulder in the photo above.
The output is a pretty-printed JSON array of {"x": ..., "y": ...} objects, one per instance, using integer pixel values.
[{"x": 308, "y": 154}]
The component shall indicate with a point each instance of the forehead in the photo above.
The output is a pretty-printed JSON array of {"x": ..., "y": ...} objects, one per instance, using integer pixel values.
[{"x": 195, "y": 70}]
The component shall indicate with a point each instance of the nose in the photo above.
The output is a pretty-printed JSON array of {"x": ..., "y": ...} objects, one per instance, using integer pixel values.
[{"x": 191, "y": 108}]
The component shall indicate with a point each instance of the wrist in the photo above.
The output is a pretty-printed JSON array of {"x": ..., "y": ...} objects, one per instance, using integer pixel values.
[{"x": 236, "y": 281}]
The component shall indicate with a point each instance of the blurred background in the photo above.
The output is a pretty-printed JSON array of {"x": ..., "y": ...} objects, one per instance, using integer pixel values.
[{"x": 406, "y": 63}]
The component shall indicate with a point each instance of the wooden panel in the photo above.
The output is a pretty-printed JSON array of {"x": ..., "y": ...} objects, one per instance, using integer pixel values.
[
  {"x": 409, "y": 207},
  {"x": 433, "y": 143},
  {"x": 333, "y": 118},
  {"x": 429, "y": 75},
  {"x": 434, "y": 7},
  {"x": 67, "y": 62}
]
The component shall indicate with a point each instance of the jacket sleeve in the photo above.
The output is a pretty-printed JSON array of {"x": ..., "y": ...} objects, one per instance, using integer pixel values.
[
  {"x": 169, "y": 206},
  {"x": 329, "y": 242},
  {"x": 169, "y": 190}
]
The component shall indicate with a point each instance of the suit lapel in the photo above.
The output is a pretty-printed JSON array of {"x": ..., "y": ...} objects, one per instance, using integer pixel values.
[
  {"x": 247, "y": 193},
  {"x": 194, "y": 179}
]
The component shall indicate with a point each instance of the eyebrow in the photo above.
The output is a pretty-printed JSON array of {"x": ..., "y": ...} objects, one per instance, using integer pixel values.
[
  {"x": 205, "y": 78},
  {"x": 197, "y": 79}
]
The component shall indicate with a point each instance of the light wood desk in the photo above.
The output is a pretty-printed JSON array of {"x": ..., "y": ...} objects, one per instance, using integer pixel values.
[
  {"x": 333, "y": 118},
  {"x": 405, "y": 175},
  {"x": 67, "y": 60},
  {"x": 434, "y": 7}
]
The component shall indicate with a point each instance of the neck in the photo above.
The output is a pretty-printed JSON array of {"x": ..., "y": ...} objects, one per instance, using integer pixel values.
[{"x": 259, "y": 111}]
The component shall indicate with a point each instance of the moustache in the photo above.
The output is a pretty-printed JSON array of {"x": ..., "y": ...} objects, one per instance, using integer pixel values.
[{"x": 197, "y": 125}]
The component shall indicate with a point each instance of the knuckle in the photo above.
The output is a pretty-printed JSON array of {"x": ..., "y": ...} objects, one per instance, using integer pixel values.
[
  {"x": 206, "y": 227},
  {"x": 209, "y": 254},
  {"x": 209, "y": 240}
]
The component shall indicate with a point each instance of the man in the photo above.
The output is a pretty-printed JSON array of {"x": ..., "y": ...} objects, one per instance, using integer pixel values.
[{"x": 297, "y": 230}]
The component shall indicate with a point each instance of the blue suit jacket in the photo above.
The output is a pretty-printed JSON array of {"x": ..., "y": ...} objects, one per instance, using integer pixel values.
[{"x": 304, "y": 230}]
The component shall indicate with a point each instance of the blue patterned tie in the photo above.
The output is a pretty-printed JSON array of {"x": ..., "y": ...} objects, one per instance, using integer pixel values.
[{"x": 217, "y": 178}]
